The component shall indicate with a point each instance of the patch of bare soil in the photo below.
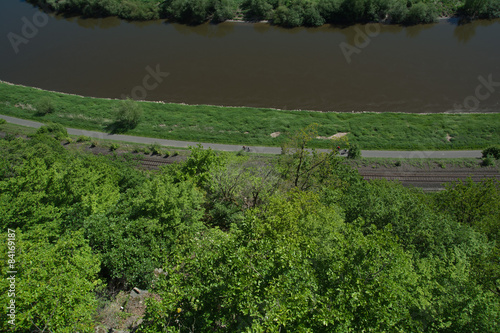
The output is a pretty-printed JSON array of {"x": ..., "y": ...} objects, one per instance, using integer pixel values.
[{"x": 335, "y": 136}]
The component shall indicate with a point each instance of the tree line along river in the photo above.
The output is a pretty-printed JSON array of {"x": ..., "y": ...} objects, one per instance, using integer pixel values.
[{"x": 441, "y": 67}]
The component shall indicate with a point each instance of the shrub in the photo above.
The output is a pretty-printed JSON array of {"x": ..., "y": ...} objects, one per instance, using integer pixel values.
[
  {"x": 155, "y": 148},
  {"x": 261, "y": 9},
  {"x": 175, "y": 153},
  {"x": 421, "y": 13},
  {"x": 9, "y": 137},
  {"x": 354, "y": 151},
  {"x": 114, "y": 146},
  {"x": 398, "y": 163},
  {"x": 93, "y": 144},
  {"x": 167, "y": 154},
  {"x": 58, "y": 130},
  {"x": 3, "y": 121},
  {"x": 488, "y": 161},
  {"x": 398, "y": 12},
  {"x": 224, "y": 10},
  {"x": 82, "y": 138},
  {"x": 44, "y": 106},
  {"x": 128, "y": 115},
  {"x": 493, "y": 151}
]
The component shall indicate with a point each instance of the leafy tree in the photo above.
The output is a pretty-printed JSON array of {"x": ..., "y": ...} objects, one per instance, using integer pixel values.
[
  {"x": 421, "y": 13},
  {"x": 303, "y": 168},
  {"x": 354, "y": 151},
  {"x": 224, "y": 9},
  {"x": 292, "y": 266},
  {"x": 44, "y": 106},
  {"x": 491, "y": 151},
  {"x": 188, "y": 11},
  {"x": 128, "y": 115},
  {"x": 54, "y": 284}
]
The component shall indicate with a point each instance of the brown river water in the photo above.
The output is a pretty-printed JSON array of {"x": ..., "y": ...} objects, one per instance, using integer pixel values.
[{"x": 442, "y": 67}]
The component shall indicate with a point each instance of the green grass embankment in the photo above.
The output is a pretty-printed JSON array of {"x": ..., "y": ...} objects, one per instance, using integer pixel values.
[{"x": 253, "y": 126}]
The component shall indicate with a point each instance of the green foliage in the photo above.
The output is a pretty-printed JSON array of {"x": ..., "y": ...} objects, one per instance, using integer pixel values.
[
  {"x": 488, "y": 161},
  {"x": 3, "y": 121},
  {"x": 44, "y": 106},
  {"x": 261, "y": 9},
  {"x": 228, "y": 125},
  {"x": 224, "y": 10},
  {"x": 57, "y": 130},
  {"x": 54, "y": 284},
  {"x": 482, "y": 8},
  {"x": 199, "y": 164},
  {"x": 128, "y": 115},
  {"x": 82, "y": 138},
  {"x": 155, "y": 149},
  {"x": 270, "y": 275},
  {"x": 493, "y": 151},
  {"x": 421, "y": 13},
  {"x": 354, "y": 151},
  {"x": 114, "y": 146},
  {"x": 193, "y": 11},
  {"x": 305, "y": 169},
  {"x": 287, "y": 13},
  {"x": 243, "y": 246}
]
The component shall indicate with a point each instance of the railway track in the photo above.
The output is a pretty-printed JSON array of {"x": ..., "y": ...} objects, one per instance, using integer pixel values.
[
  {"x": 428, "y": 180},
  {"x": 153, "y": 163}
]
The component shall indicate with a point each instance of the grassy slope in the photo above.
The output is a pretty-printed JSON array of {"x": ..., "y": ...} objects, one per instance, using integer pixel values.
[{"x": 228, "y": 125}]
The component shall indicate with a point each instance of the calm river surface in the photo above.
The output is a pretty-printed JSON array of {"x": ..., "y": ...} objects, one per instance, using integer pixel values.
[{"x": 426, "y": 68}]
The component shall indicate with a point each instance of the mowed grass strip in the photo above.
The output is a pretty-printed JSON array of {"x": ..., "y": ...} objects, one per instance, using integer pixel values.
[{"x": 253, "y": 126}]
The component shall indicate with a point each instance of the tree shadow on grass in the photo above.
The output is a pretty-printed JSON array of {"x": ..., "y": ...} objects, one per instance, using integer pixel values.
[{"x": 120, "y": 127}]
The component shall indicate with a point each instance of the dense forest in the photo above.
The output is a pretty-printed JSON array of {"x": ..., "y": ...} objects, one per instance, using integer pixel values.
[
  {"x": 288, "y": 13},
  {"x": 302, "y": 244}
]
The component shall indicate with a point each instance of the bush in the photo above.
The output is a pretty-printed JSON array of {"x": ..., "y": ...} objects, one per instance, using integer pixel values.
[
  {"x": 82, "y": 138},
  {"x": 493, "y": 151},
  {"x": 155, "y": 149},
  {"x": 93, "y": 144},
  {"x": 188, "y": 11},
  {"x": 3, "y": 121},
  {"x": 128, "y": 115},
  {"x": 58, "y": 130},
  {"x": 167, "y": 154},
  {"x": 421, "y": 13},
  {"x": 261, "y": 9},
  {"x": 488, "y": 161},
  {"x": 114, "y": 146},
  {"x": 354, "y": 151},
  {"x": 175, "y": 153},
  {"x": 224, "y": 10},
  {"x": 44, "y": 106},
  {"x": 288, "y": 17},
  {"x": 9, "y": 137},
  {"x": 398, "y": 12}
]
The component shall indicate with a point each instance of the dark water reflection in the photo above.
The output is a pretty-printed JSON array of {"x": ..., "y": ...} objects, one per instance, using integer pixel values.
[{"x": 423, "y": 68}]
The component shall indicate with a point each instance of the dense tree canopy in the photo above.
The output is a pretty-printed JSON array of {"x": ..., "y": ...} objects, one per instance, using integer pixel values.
[
  {"x": 299, "y": 244},
  {"x": 288, "y": 13}
]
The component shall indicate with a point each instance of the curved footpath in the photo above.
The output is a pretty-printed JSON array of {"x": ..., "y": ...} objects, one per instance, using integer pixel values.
[{"x": 234, "y": 148}]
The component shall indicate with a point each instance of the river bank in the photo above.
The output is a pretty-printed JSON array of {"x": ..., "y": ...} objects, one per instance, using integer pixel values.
[
  {"x": 257, "y": 126},
  {"x": 290, "y": 14}
]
